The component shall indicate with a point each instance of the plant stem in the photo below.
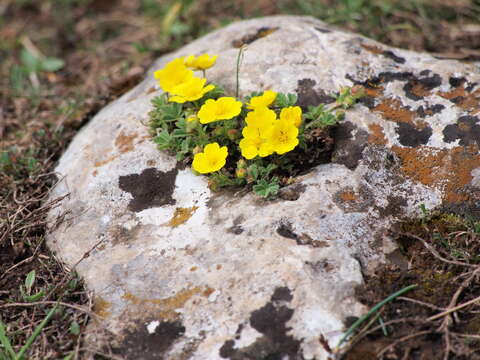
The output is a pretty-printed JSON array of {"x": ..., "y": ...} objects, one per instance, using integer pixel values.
[{"x": 373, "y": 310}]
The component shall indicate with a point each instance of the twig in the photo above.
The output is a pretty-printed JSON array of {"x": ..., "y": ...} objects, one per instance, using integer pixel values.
[
  {"x": 449, "y": 311},
  {"x": 405, "y": 338},
  {"x": 50, "y": 302},
  {"x": 435, "y": 252},
  {"x": 431, "y": 306}
]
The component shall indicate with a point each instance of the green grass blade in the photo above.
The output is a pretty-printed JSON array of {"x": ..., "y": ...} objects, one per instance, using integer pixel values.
[
  {"x": 6, "y": 342},
  {"x": 372, "y": 311},
  {"x": 36, "y": 332}
]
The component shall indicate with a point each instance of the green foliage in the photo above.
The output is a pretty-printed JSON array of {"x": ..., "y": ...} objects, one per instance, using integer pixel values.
[
  {"x": 26, "y": 290},
  {"x": 285, "y": 100},
  {"x": 9, "y": 353},
  {"x": 176, "y": 128}
]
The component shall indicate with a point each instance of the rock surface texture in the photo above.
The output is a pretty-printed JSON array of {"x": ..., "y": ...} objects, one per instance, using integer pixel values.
[{"x": 180, "y": 272}]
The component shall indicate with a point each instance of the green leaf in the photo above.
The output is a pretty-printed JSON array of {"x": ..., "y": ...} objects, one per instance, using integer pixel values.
[
  {"x": 281, "y": 100},
  {"x": 252, "y": 170},
  {"x": 29, "y": 60},
  {"x": 5, "y": 341},
  {"x": 292, "y": 99},
  {"x": 74, "y": 328},
  {"x": 163, "y": 140},
  {"x": 52, "y": 64},
  {"x": 29, "y": 281},
  {"x": 35, "y": 333},
  {"x": 35, "y": 297},
  {"x": 265, "y": 189}
]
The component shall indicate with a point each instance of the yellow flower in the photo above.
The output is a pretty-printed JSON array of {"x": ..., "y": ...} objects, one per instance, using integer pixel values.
[
  {"x": 173, "y": 74},
  {"x": 253, "y": 146},
  {"x": 191, "y": 90},
  {"x": 265, "y": 100},
  {"x": 255, "y": 134},
  {"x": 222, "y": 109},
  {"x": 201, "y": 62},
  {"x": 213, "y": 158},
  {"x": 260, "y": 118},
  {"x": 292, "y": 114},
  {"x": 283, "y": 137}
]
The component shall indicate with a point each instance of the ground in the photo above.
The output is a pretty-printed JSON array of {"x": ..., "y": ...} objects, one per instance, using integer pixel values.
[{"x": 63, "y": 60}]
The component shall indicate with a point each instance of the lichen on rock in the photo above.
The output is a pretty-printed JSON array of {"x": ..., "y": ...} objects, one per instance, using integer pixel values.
[{"x": 225, "y": 275}]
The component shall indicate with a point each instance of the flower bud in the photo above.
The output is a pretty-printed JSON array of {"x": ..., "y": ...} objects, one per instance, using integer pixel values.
[
  {"x": 240, "y": 173},
  {"x": 218, "y": 131},
  {"x": 357, "y": 91},
  {"x": 232, "y": 134},
  {"x": 241, "y": 164},
  {"x": 197, "y": 149}
]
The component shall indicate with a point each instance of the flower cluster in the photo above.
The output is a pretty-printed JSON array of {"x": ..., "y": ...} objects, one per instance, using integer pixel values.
[{"x": 235, "y": 141}]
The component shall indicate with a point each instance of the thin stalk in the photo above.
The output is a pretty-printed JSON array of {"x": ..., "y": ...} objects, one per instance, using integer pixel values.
[
  {"x": 36, "y": 332},
  {"x": 372, "y": 311},
  {"x": 5, "y": 341}
]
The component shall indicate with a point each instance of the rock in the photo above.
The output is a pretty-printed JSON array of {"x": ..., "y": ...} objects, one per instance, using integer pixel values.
[{"x": 180, "y": 272}]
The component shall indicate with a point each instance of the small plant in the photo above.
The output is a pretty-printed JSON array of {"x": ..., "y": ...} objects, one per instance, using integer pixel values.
[
  {"x": 26, "y": 290},
  {"x": 262, "y": 141}
]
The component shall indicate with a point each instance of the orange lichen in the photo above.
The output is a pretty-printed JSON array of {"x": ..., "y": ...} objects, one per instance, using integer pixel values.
[
  {"x": 101, "y": 307},
  {"x": 393, "y": 110},
  {"x": 468, "y": 101},
  {"x": 374, "y": 49},
  {"x": 181, "y": 216},
  {"x": 166, "y": 307},
  {"x": 420, "y": 90},
  {"x": 448, "y": 169},
  {"x": 376, "y": 135},
  {"x": 124, "y": 142},
  {"x": 193, "y": 268},
  {"x": 348, "y": 195}
]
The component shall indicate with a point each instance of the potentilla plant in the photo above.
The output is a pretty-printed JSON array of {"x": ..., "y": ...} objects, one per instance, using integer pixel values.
[{"x": 262, "y": 141}]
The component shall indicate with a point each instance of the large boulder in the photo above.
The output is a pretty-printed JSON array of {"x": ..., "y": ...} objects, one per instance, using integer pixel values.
[{"x": 181, "y": 272}]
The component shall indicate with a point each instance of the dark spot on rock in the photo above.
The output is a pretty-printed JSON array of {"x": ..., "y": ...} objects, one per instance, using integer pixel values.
[
  {"x": 470, "y": 86},
  {"x": 457, "y": 99},
  {"x": 292, "y": 192},
  {"x": 323, "y": 31},
  {"x": 456, "y": 82},
  {"x": 139, "y": 344},
  {"x": 467, "y": 130},
  {"x": 430, "y": 110},
  {"x": 394, "y": 205},
  {"x": 308, "y": 96},
  {"x": 282, "y": 293},
  {"x": 250, "y": 38},
  {"x": 349, "y": 144},
  {"x": 388, "y": 76},
  {"x": 425, "y": 72},
  {"x": 368, "y": 101},
  {"x": 227, "y": 350},
  {"x": 285, "y": 230},
  {"x": 409, "y": 135},
  {"x": 322, "y": 266},
  {"x": 235, "y": 229},
  {"x": 270, "y": 320},
  {"x": 417, "y": 88},
  {"x": 306, "y": 239},
  {"x": 389, "y": 54},
  {"x": 151, "y": 188}
]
